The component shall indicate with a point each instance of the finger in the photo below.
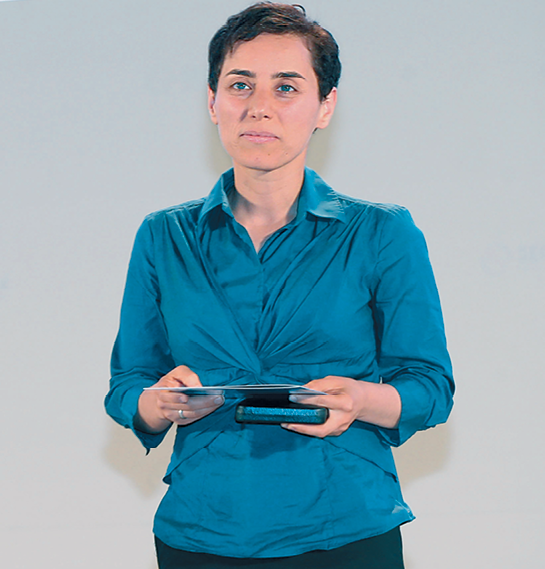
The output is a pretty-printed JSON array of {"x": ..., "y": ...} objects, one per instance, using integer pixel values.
[
  {"x": 197, "y": 402},
  {"x": 172, "y": 398},
  {"x": 335, "y": 425},
  {"x": 198, "y": 406},
  {"x": 185, "y": 416},
  {"x": 193, "y": 403},
  {"x": 319, "y": 431},
  {"x": 180, "y": 376},
  {"x": 328, "y": 384},
  {"x": 329, "y": 401},
  {"x": 185, "y": 376}
]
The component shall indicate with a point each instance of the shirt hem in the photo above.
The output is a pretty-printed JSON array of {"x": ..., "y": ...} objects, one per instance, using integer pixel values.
[{"x": 327, "y": 544}]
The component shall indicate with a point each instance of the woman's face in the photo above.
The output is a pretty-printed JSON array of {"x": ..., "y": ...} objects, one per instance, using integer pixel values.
[{"x": 267, "y": 103}]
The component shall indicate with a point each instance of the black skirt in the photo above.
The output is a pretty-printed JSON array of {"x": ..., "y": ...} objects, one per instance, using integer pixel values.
[{"x": 381, "y": 552}]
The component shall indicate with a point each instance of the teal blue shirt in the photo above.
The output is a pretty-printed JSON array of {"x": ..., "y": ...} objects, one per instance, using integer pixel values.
[{"x": 345, "y": 289}]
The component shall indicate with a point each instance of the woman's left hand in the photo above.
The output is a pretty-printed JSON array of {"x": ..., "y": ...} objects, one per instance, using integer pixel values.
[
  {"x": 344, "y": 399},
  {"x": 348, "y": 400}
]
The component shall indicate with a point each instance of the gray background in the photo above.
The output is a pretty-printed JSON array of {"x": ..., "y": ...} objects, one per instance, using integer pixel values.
[{"x": 103, "y": 120}]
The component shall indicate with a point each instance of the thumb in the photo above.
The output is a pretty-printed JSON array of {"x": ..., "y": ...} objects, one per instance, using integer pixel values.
[{"x": 184, "y": 377}]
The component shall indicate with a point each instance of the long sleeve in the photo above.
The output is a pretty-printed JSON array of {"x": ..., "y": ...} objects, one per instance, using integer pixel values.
[
  {"x": 141, "y": 355},
  {"x": 344, "y": 289},
  {"x": 411, "y": 344}
]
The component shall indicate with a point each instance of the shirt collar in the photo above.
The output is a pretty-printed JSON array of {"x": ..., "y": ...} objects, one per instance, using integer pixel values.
[
  {"x": 316, "y": 198},
  {"x": 218, "y": 195}
]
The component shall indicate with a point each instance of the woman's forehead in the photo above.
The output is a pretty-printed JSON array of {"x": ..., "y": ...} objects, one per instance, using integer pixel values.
[{"x": 268, "y": 51}]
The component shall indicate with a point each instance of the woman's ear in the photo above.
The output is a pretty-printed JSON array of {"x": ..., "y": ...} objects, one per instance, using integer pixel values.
[
  {"x": 327, "y": 108},
  {"x": 212, "y": 105}
]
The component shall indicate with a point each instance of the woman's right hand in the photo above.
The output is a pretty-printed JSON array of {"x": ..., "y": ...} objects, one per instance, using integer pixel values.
[{"x": 158, "y": 409}]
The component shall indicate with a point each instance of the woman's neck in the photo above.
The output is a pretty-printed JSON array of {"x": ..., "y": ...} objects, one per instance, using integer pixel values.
[
  {"x": 265, "y": 197},
  {"x": 265, "y": 202}
]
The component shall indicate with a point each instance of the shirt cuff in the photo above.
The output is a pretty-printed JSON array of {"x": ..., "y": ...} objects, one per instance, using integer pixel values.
[
  {"x": 130, "y": 409},
  {"x": 415, "y": 405}
]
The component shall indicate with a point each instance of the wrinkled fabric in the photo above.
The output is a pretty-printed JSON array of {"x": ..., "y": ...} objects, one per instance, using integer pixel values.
[{"x": 344, "y": 289}]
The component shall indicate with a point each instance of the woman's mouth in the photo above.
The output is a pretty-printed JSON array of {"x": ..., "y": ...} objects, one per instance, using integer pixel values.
[{"x": 259, "y": 137}]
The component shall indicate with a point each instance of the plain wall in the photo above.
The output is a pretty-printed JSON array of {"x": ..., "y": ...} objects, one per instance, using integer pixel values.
[{"x": 103, "y": 119}]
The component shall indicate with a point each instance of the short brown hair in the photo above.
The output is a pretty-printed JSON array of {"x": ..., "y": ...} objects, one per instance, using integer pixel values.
[{"x": 278, "y": 19}]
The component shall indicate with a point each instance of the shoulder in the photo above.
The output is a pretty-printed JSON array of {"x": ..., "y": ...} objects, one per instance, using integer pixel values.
[
  {"x": 182, "y": 217},
  {"x": 188, "y": 210},
  {"x": 164, "y": 223},
  {"x": 382, "y": 210},
  {"x": 376, "y": 216}
]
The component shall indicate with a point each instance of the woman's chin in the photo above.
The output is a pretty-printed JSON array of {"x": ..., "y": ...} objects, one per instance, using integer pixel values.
[{"x": 269, "y": 163}]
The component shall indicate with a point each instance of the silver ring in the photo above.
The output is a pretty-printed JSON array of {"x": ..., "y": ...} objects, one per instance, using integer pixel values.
[{"x": 181, "y": 413}]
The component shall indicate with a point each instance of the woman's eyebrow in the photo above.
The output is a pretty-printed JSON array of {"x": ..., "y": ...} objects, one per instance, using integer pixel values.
[
  {"x": 288, "y": 74},
  {"x": 243, "y": 72},
  {"x": 279, "y": 75}
]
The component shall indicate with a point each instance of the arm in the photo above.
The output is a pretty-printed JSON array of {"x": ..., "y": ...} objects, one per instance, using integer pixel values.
[
  {"x": 417, "y": 386},
  {"x": 157, "y": 410},
  {"x": 142, "y": 358},
  {"x": 349, "y": 400}
]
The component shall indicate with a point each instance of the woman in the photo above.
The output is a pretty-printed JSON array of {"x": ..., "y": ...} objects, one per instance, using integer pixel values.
[{"x": 276, "y": 278}]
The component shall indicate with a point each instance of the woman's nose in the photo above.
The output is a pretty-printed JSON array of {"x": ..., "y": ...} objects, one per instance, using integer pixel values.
[{"x": 260, "y": 105}]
